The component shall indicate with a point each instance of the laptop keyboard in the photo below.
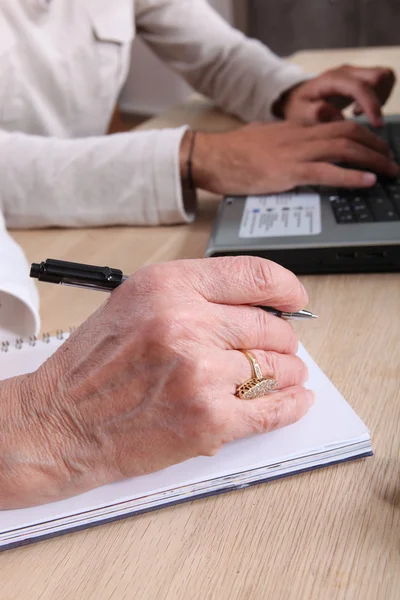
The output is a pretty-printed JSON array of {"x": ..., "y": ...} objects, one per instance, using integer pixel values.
[{"x": 379, "y": 203}]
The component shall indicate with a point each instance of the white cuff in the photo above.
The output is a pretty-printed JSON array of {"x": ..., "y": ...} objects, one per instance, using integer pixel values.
[
  {"x": 19, "y": 300},
  {"x": 167, "y": 178}
]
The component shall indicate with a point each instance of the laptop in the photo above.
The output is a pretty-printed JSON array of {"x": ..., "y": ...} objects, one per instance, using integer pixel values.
[{"x": 317, "y": 229}]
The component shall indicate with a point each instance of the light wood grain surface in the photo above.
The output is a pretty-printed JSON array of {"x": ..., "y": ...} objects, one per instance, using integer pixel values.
[{"x": 329, "y": 534}]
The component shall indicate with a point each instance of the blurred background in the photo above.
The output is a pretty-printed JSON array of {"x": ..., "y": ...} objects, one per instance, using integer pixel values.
[{"x": 286, "y": 26}]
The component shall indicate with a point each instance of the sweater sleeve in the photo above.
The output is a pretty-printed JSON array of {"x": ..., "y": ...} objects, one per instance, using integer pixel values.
[
  {"x": 241, "y": 75},
  {"x": 131, "y": 178}
]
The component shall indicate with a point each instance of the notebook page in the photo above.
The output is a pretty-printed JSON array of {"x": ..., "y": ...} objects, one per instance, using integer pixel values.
[{"x": 330, "y": 423}]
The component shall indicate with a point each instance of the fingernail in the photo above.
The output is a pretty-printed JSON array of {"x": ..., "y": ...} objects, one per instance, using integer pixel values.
[
  {"x": 369, "y": 178},
  {"x": 310, "y": 398}
]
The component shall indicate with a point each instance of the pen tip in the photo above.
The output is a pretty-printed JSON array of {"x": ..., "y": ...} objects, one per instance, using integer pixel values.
[{"x": 314, "y": 316}]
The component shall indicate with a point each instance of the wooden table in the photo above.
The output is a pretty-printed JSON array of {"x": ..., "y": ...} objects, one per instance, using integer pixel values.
[{"x": 329, "y": 534}]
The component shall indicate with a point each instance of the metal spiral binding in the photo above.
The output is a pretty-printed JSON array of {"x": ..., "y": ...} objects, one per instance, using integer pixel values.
[{"x": 19, "y": 343}]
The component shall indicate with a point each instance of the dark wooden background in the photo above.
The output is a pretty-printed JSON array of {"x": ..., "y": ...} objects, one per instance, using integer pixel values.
[{"x": 290, "y": 25}]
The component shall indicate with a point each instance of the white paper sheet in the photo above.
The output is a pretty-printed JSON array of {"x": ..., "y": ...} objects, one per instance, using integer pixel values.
[{"x": 330, "y": 431}]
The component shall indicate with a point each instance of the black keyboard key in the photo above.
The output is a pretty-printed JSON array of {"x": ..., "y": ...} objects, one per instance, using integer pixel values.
[
  {"x": 396, "y": 202},
  {"x": 361, "y": 210},
  {"x": 393, "y": 186},
  {"x": 364, "y": 216},
  {"x": 359, "y": 204},
  {"x": 345, "y": 218},
  {"x": 377, "y": 202},
  {"x": 383, "y": 209},
  {"x": 390, "y": 215},
  {"x": 343, "y": 210},
  {"x": 378, "y": 189},
  {"x": 338, "y": 201},
  {"x": 385, "y": 180},
  {"x": 384, "y": 214},
  {"x": 376, "y": 195},
  {"x": 393, "y": 194}
]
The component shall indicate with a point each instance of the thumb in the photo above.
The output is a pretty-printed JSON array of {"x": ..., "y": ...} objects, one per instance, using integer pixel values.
[
  {"x": 238, "y": 280},
  {"x": 321, "y": 111}
]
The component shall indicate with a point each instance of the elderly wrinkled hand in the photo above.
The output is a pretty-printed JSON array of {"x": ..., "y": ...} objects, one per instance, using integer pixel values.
[{"x": 150, "y": 379}]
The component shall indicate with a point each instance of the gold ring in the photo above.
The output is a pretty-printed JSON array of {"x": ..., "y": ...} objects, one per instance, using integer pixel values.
[{"x": 258, "y": 385}]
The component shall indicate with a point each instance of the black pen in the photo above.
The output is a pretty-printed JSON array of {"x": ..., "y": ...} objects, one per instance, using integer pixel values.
[{"x": 105, "y": 279}]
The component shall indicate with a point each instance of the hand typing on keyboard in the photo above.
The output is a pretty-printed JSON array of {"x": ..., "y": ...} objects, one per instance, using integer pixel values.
[
  {"x": 323, "y": 98},
  {"x": 378, "y": 203},
  {"x": 266, "y": 158}
]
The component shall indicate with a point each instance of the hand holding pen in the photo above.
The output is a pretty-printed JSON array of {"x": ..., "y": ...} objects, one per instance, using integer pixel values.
[
  {"x": 176, "y": 363},
  {"x": 106, "y": 279}
]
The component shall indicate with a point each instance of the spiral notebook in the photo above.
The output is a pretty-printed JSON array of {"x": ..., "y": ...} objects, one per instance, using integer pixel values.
[{"x": 330, "y": 433}]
